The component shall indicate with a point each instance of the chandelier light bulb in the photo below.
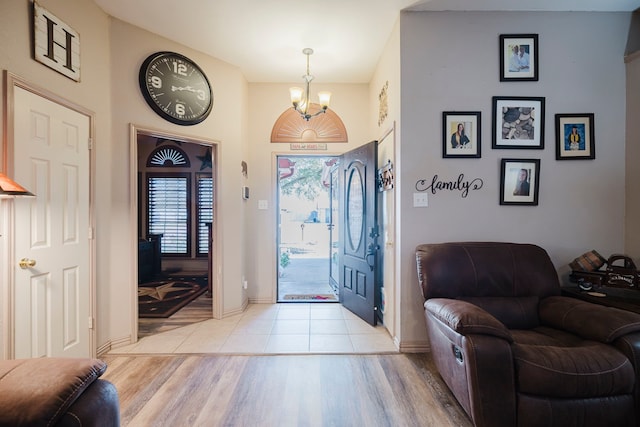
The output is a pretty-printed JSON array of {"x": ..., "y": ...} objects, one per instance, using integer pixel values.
[
  {"x": 324, "y": 98},
  {"x": 296, "y": 95}
]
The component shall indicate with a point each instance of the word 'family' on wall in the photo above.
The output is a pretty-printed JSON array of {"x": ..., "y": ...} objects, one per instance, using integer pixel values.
[{"x": 462, "y": 185}]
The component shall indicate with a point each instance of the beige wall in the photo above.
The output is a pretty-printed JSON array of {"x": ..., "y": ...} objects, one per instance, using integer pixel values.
[
  {"x": 129, "y": 47},
  {"x": 388, "y": 73},
  {"x": 111, "y": 54},
  {"x": 450, "y": 62},
  {"x": 93, "y": 92}
]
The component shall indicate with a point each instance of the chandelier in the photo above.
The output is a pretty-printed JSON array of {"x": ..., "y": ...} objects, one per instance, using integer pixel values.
[{"x": 300, "y": 98}]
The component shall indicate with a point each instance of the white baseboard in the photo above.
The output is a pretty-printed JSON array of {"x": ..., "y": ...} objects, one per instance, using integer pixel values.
[
  {"x": 415, "y": 347},
  {"x": 260, "y": 301},
  {"x": 112, "y": 344}
]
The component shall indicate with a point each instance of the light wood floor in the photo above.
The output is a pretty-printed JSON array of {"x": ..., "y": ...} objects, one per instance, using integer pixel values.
[{"x": 288, "y": 390}]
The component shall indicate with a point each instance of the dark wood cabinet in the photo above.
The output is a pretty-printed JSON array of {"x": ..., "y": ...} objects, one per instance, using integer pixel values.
[
  {"x": 626, "y": 299},
  {"x": 150, "y": 258}
]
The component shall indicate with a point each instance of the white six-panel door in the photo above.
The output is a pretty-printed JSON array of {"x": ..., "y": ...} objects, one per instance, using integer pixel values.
[{"x": 52, "y": 298}]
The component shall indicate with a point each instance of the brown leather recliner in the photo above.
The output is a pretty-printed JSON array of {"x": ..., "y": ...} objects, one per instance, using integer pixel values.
[
  {"x": 516, "y": 353},
  {"x": 59, "y": 392}
]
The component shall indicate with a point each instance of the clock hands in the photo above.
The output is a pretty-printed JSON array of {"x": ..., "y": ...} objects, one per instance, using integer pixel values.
[
  {"x": 199, "y": 92},
  {"x": 178, "y": 88}
]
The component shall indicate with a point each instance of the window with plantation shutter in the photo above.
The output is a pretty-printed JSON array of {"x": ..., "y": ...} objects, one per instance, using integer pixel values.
[
  {"x": 205, "y": 211},
  {"x": 168, "y": 211}
]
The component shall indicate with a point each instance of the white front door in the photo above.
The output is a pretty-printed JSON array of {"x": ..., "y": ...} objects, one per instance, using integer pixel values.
[{"x": 52, "y": 298}]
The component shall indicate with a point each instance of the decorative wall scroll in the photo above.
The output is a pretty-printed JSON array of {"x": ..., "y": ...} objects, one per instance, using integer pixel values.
[
  {"x": 464, "y": 186},
  {"x": 383, "y": 107}
]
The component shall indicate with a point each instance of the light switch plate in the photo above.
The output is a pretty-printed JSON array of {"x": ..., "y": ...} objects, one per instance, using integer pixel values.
[{"x": 420, "y": 200}]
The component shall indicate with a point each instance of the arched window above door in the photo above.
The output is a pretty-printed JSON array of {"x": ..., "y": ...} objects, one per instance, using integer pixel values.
[
  {"x": 291, "y": 127},
  {"x": 168, "y": 156}
]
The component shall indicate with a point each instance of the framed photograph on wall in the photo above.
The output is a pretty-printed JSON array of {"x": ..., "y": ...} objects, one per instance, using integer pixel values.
[
  {"x": 461, "y": 134},
  {"x": 518, "y": 57},
  {"x": 574, "y": 137},
  {"x": 518, "y": 122},
  {"x": 519, "y": 181}
]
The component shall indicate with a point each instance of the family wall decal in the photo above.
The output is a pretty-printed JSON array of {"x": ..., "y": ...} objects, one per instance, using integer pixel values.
[{"x": 461, "y": 185}]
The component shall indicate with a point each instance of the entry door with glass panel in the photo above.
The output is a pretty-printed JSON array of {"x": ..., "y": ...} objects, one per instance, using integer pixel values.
[{"x": 359, "y": 232}]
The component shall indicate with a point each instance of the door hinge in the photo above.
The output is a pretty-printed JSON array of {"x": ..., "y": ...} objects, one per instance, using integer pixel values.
[
  {"x": 90, "y": 233},
  {"x": 91, "y": 323},
  {"x": 90, "y": 143}
]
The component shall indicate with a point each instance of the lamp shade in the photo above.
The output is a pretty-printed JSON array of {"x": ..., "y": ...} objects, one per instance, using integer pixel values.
[
  {"x": 296, "y": 95},
  {"x": 9, "y": 187},
  {"x": 325, "y": 98}
]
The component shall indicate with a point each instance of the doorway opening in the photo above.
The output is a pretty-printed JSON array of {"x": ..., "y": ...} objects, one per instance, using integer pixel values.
[
  {"x": 307, "y": 228},
  {"x": 175, "y": 215}
]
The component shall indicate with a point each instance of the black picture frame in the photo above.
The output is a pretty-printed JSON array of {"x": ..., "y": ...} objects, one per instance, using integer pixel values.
[
  {"x": 520, "y": 65},
  {"x": 467, "y": 144},
  {"x": 575, "y": 136},
  {"x": 512, "y": 191},
  {"x": 518, "y": 122}
]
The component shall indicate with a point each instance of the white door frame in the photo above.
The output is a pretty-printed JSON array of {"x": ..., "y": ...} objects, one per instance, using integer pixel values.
[
  {"x": 12, "y": 81},
  {"x": 216, "y": 285}
]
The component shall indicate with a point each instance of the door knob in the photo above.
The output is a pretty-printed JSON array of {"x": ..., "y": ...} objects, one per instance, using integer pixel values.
[{"x": 27, "y": 263}]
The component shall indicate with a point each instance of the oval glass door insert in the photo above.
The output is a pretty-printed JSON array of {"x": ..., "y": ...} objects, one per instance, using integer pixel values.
[{"x": 355, "y": 208}]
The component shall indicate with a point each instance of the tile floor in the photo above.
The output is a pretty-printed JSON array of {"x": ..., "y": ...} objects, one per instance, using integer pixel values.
[{"x": 272, "y": 329}]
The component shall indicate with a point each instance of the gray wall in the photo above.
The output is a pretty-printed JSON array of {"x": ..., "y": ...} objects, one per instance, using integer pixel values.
[
  {"x": 632, "y": 201},
  {"x": 450, "y": 61}
]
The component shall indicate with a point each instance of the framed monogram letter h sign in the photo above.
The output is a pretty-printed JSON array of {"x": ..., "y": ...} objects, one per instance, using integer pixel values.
[{"x": 56, "y": 44}]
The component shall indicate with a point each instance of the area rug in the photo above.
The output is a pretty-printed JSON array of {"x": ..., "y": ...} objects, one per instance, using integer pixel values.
[
  {"x": 163, "y": 298},
  {"x": 310, "y": 297}
]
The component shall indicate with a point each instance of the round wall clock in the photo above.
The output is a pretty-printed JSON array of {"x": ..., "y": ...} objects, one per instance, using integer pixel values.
[{"x": 176, "y": 88}]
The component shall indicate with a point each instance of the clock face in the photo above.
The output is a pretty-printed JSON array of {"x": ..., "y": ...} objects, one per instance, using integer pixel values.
[{"x": 176, "y": 88}]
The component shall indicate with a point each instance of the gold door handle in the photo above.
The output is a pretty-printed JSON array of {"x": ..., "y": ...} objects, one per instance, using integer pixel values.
[{"x": 27, "y": 263}]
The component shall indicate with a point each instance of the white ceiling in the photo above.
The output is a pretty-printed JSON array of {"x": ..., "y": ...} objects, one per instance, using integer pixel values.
[{"x": 265, "y": 38}]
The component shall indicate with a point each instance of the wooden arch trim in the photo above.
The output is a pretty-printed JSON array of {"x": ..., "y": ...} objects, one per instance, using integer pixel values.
[{"x": 291, "y": 127}]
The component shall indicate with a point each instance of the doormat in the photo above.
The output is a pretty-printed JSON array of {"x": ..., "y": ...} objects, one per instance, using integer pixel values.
[
  {"x": 310, "y": 297},
  {"x": 164, "y": 298}
]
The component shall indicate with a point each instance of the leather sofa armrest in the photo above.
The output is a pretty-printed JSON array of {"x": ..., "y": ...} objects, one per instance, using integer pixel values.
[
  {"x": 39, "y": 391},
  {"x": 98, "y": 405},
  {"x": 466, "y": 318},
  {"x": 587, "y": 320}
]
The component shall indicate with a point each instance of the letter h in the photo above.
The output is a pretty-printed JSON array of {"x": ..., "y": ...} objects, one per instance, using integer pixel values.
[{"x": 51, "y": 42}]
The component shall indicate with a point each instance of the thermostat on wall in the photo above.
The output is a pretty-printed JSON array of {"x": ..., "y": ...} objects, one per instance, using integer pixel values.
[{"x": 245, "y": 193}]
